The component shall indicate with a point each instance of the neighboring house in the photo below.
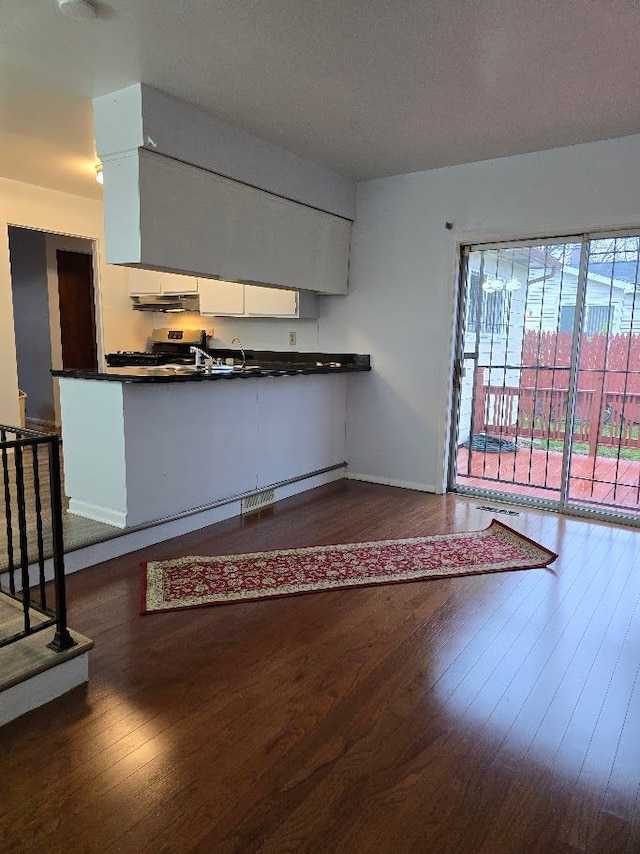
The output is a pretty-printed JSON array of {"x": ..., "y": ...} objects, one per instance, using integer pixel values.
[{"x": 551, "y": 305}]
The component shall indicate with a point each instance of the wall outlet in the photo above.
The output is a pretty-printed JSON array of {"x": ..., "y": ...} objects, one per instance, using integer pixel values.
[{"x": 293, "y": 339}]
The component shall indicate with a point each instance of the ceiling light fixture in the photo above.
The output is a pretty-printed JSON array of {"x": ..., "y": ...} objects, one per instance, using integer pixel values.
[
  {"x": 99, "y": 174},
  {"x": 79, "y": 9}
]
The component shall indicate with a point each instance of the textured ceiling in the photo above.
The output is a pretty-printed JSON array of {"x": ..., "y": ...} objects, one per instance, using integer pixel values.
[{"x": 368, "y": 88}]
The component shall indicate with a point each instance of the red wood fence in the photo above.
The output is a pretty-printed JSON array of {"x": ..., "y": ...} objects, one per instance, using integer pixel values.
[
  {"x": 616, "y": 358},
  {"x": 607, "y": 402},
  {"x": 601, "y": 418}
]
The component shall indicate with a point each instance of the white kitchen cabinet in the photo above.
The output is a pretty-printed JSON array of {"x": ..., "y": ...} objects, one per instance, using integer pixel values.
[
  {"x": 174, "y": 216},
  {"x": 154, "y": 282},
  {"x": 275, "y": 302},
  {"x": 143, "y": 281},
  {"x": 221, "y": 298},
  {"x": 175, "y": 283},
  {"x": 276, "y": 241},
  {"x": 238, "y": 300}
]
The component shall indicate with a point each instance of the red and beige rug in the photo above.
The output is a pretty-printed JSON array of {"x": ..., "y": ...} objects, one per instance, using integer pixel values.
[{"x": 190, "y": 582}]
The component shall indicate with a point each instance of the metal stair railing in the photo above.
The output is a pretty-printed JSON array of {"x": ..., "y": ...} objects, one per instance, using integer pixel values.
[{"x": 32, "y": 491}]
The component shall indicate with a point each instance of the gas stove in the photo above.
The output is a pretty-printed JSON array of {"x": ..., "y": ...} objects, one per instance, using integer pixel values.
[
  {"x": 170, "y": 346},
  {"x": 132, "y": 358}
]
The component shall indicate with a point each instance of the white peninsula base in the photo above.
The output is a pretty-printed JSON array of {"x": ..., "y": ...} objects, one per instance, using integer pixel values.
[{"x": 141, "y": 453}]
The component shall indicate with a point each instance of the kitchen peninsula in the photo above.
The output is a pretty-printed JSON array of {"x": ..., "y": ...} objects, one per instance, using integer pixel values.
[{"x": 144, "y": 445}]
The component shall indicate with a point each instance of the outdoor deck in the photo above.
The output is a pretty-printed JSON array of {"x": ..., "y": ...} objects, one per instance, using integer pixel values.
[{"x": 597, "y": 483}]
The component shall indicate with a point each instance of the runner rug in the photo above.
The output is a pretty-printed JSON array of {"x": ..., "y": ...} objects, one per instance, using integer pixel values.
[{"x": 190, "y": 582}]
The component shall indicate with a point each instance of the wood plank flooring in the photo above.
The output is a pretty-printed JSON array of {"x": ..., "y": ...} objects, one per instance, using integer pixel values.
[{"x": 499, "y": 713}]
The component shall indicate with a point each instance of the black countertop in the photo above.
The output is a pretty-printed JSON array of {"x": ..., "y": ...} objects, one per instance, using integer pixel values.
[{"x": 258, "y": 364}]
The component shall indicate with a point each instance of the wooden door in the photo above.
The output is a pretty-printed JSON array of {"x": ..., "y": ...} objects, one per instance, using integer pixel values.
[{"x": 77, "y": 311}]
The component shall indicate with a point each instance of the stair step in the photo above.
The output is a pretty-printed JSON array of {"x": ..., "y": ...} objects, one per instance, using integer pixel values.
[{"x": 29, "y": 656}]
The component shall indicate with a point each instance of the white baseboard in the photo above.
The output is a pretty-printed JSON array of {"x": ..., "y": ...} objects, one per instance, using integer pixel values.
[
  {"x": 99, "y": 514},
  {"x": 43, "y": 687},
  {"x": 389, "y": 481}
]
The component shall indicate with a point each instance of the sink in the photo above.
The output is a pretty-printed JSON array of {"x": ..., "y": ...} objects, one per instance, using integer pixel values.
[{"x": 215, "y": 369}]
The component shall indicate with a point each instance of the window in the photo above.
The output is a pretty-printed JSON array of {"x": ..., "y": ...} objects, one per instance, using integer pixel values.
[
  {"x": 567, "y": 318},
  {"x": 598, "y": 319}
]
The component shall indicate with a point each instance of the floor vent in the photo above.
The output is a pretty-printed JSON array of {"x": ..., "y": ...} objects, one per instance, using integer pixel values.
[
  {"x": 256, "y": 502},
  {"x": 497, "y": 510}
]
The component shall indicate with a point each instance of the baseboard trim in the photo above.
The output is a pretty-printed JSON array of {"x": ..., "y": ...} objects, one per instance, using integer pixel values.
[
  {"x": 389, "y": 481},
  {"x": 97, "y": 513}
]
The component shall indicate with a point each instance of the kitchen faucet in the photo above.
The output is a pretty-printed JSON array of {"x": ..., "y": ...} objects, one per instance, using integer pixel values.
[
  {"x": 202, "y": 355},
  {"x": 244, "y": 358}
]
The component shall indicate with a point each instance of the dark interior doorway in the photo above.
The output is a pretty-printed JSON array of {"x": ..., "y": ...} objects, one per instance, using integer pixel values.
[{"x": 77, "y": 313}]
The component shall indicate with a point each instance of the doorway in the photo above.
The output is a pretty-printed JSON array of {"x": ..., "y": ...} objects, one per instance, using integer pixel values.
[
  {"x": 54, "y": 315},
  {"x": 76, "y": 303},
  {"x": 547, "y": 392}
]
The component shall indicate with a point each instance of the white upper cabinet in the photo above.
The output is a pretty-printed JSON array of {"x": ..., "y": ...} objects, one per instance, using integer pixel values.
[
  {"x": 221, "y": 298},
  {"x": 189, "y": 219},
  {"x": 154, "y": 282},
  {"x": 143, "y": 281},
  {"x": 275, "y": 241},
  {"x": 273, "y": 302},
  {"x": 238, "y": 300},
  {"x": 175, "y": 283}
]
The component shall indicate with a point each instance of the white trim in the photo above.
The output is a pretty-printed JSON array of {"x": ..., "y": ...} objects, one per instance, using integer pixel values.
[
  {"x": 389, "y": 481},
  {"x": 99, "y": 514}
]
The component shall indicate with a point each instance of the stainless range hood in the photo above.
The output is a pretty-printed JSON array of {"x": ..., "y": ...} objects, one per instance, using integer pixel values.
[{"x": 166, "y": 302}]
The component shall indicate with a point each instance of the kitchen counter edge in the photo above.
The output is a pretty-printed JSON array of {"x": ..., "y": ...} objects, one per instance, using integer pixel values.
[{"x": 159, "y": 375}]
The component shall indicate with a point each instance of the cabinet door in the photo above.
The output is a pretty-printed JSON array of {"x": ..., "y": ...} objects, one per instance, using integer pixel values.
[
  {"x": 290, "y": 241},
  {"x": 245, "y": 237},
  {"x": 221, "y": 297},
  {"x": 175, "y": 283},
  {"x": 270, "y": 302},
  {"x": 332, "y": 248},
  {"x": 143, "y": 281}
]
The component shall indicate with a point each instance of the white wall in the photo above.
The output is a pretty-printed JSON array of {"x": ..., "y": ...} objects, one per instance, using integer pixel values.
[
  {"x": 402, "y": 283},
  {"x": 31, "y": 321}
]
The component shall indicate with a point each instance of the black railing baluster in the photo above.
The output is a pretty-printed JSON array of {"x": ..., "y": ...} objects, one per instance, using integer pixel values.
[
  {"x": 62, "y": 639},
  {"x": 8, "y": 513},
  {"x": 38, "y": 502},
  {"x": 22, "y": 537},
  {"x": 31, "y": 518}
]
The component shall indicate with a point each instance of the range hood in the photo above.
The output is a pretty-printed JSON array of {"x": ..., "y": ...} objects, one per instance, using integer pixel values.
[{"x": 166, "y": 302}]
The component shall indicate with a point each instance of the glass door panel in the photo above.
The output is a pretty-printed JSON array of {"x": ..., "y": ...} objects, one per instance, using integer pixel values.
[
  {"x": 517, "y": 359},
  {"x": 604, "y": 468},
  {"x": 548, "y": 391}
]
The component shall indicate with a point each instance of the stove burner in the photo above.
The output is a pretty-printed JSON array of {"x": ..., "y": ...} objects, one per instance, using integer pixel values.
[{"x": 131, "y": 358}]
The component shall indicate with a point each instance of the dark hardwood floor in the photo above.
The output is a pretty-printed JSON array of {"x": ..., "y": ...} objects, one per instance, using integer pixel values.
[{"x": 499, "y": 713}]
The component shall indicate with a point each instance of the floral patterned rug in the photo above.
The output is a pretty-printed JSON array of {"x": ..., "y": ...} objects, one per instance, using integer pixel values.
[{"x": 190, "y": 582}]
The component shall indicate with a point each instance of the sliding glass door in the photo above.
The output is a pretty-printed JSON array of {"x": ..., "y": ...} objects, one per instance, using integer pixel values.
[
  {"x": 547, "y": 390},
  {"x": 604, "y": 464}
]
